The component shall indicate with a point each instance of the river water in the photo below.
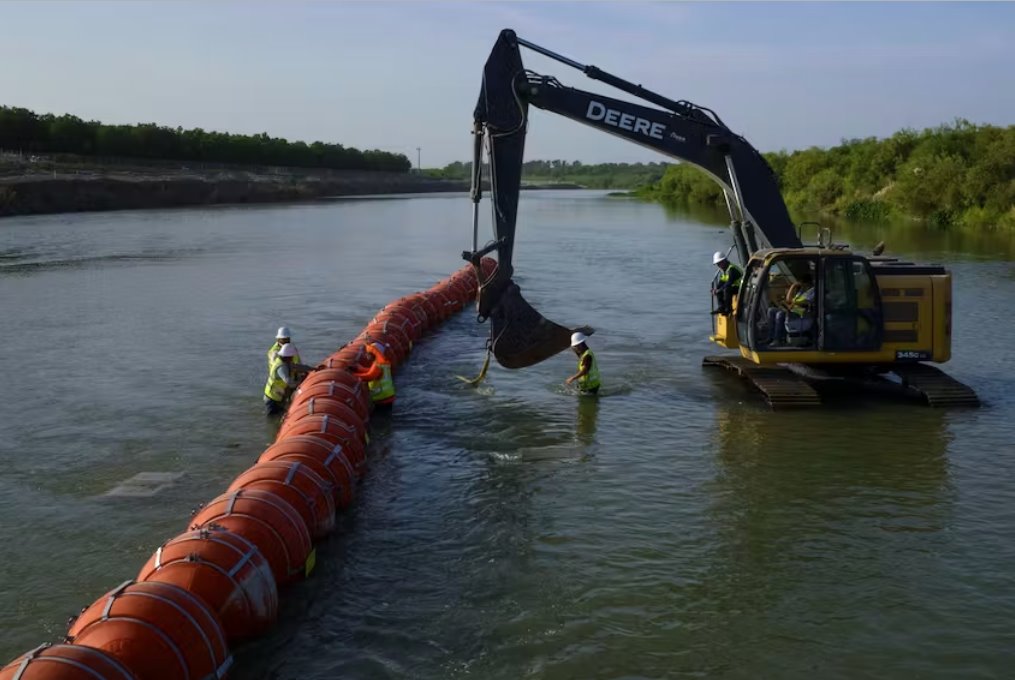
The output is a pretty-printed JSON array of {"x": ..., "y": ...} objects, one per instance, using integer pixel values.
[{"x": 672, "y": 527}]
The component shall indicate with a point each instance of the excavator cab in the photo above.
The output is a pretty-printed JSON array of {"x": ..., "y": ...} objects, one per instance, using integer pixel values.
[{"x": 803, "y": 300}]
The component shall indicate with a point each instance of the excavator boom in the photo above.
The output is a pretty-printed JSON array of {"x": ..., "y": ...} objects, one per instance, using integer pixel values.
[{"x": 759, "y": 219}]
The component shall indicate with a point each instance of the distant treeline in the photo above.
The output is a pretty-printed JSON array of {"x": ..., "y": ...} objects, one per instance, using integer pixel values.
[
  {"x": 954, "y": 175},
  {"x": 24, "y": 130},
  {"x": 595, "y": 176}
]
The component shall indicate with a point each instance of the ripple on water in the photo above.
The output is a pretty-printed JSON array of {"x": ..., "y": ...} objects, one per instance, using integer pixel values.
[{"x": 671, "y": 527}]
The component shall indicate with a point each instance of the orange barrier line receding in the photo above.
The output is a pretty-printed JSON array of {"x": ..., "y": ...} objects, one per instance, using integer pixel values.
[{"x": 218, "y": 582}]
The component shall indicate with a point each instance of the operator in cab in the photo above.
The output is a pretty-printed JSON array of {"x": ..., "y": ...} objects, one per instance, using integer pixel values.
[
  {"x": 727, "y": 284},
  {"x": 282, "y": 336},
  {"x": 797, "y": 320},
  {"x": 377, "y": 375},
  {"x": 284, "y": 375},
  {"x": 587, "y": 376}
]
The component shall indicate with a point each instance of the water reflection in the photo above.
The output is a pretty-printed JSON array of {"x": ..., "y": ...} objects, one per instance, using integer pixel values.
[
  {"x": 586, "y": 420},
  {"x": 809, "y": 511}
]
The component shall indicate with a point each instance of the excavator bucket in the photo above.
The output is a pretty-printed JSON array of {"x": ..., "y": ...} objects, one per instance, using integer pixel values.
[{"x": 521, "y": 336}]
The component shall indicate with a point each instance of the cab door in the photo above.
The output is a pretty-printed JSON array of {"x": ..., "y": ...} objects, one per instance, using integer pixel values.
[
  {"x": 747, "y": 300},
  {"x": 850, "y": 307}
]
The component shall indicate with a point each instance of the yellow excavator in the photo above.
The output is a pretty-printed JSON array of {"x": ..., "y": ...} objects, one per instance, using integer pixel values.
[{"x": 870, "y": 322}]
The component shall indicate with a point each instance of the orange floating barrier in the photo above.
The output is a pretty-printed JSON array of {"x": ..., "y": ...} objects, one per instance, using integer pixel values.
[
  {"x": 157, "y": 630},
  {"x": 445, "y": 302},
  {"x": 396, "y": 340},
  {"x": 429, "y": 308},
  {"x": 270, "y": 523},
  {"x": 326, "y": 459},
  {"x": 220, "y": 580},
  {"x": 357, "y": 398},
  {"x": 334, "y": 430},
  {"x": 225, "y": 570},
  {"x": 324, "y": 406},
  {"x": 401, "y": 318},
  {"x": 304, "y": 489},
  {"x": 349, "y": 352},
  {"x": 66, "y": 662},
  {"x": 332, "y": 375},
  {"x": 414, "y": 303}
]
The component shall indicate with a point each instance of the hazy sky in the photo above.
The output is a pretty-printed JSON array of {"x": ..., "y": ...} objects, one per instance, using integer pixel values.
[{"x": 397, "y": 75}]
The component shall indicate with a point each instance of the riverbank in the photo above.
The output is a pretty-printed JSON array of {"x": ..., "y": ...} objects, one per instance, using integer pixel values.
[
  {"x": 97, "y": 190},
  {"x": 62, "y": 192}
]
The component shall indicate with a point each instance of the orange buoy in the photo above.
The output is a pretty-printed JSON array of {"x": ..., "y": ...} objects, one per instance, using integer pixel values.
[
  {"x": 445, "y": 303},
  {"x": 157, "y": 630},
  {"x": 326, "y": 459},
  {"x": 225, "y": 570},
  {"x": 357, "y": 398},
  {"x": 429, "y": 309},
  {"x": 341, "y": 362},
  {"x": 351, "y": 351},
  {"x": 324, "y": 405},
  {"x": 270, "y": 523},
  {"x": 414, "y": 303},
  {"x": 343, "y": 490},
  {"x": 391, "y": 335},
  {"x": 334, "y": 430},
  {"x": 66, "y": 662},
  {"x": 331, "y": 375},
  {"x": 489, "y": 266},
  {"x": 304, "y": 489},
  {"x": 403, "y": 319}
]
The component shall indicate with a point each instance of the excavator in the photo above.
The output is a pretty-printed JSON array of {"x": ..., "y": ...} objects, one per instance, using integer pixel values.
[{"x": 875, "y": 323}]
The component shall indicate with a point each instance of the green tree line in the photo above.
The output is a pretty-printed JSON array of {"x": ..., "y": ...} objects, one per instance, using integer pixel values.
[
  {"x": 26, "y": 131},
  {"x": 593, "y": 176},
  {"x": 958, "y": 175}
]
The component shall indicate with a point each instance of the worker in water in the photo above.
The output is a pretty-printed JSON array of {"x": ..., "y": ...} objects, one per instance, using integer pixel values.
[
  {"x": 727, "y": 285},
  {"x": 377, "y": 375},
  {"x": 284, "y": 374},
  {"x": 588, "y": 370},
  {"x": 281, "y": 337}
]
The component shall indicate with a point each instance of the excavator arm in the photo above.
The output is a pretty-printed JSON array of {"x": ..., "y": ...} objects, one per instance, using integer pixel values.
[{"x": 520, "y": 336}]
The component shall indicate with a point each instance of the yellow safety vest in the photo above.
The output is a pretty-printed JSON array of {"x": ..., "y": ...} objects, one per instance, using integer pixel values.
[
  {"x": 725, "y": 275},
  {"x": 273, "y": 352},
  {"x": 802, "y": 302},
  {"x": 384, "y": 387},
  {"x": 590, "y": 380},
  {"x": 275, "y": 388}
]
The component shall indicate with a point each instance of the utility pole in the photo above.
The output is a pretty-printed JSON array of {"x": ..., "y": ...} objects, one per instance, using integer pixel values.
[{"x": 419, "y": 166}]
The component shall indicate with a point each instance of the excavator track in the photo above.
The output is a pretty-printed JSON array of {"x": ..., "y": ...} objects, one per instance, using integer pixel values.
[
  {"x": 782, "y": 388},
  {"x": 937, "y": 387}
]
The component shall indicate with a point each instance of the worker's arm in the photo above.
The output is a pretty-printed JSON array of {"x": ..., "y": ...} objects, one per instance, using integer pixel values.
[
  {"x": 791, "y": 293},
  {"x": 303, "y": 368},
  {"x": 287, "y": 375},
  {"x": 583, "y": 370},
  {"x": 372, "y": 373}
]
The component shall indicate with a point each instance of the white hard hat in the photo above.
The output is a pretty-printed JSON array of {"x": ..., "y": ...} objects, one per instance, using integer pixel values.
[
  {"x": 578, "y": 338},
  {"x": 718, "y": 257},
  {"x": 283, "y": 332},
  {"x": 287, "y": 350},
  {"x": 380, "y": 347}
]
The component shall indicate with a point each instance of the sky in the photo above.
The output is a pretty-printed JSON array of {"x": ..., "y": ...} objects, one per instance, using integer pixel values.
[{"x": 402, "y": 75}]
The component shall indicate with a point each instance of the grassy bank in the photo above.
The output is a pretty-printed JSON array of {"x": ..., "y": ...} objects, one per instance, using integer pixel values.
[{"x": 953, "y": 176}]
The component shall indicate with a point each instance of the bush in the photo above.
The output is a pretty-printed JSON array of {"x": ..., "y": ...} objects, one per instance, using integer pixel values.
[{"x": 952, "y": 175}]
